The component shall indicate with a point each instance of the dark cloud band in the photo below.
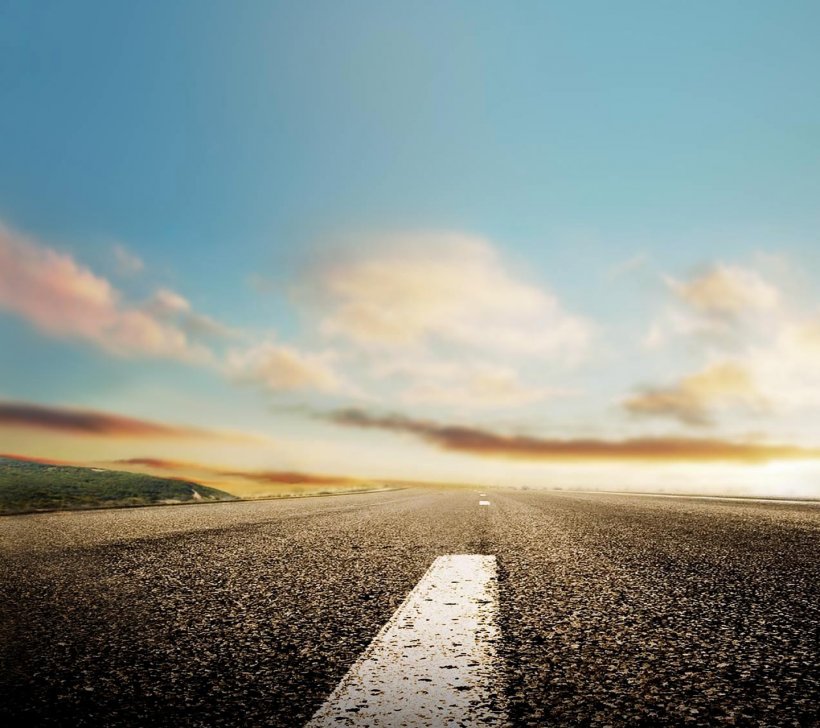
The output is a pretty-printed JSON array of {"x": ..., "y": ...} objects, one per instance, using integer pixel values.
[
  {"x": 477, "y": 441},
  {"x": 273, "y": 477},
  {"x": 89, "y": 422}
]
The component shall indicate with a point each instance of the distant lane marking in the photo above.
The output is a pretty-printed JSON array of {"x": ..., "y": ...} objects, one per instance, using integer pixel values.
[
  {"x": 434, "y": 663},
  {"x": 483, "y": 503}
]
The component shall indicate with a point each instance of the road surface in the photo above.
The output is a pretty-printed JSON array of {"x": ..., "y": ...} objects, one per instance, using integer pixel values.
[{"x": 611, "y": 610}]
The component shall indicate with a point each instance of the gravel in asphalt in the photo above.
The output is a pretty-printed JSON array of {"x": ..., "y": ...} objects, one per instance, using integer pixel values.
[{"x": 614, "y": 610}]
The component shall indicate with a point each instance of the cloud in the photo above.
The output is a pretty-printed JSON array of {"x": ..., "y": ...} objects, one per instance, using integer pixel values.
[
  {"x": 128, "y": 264},
  {"x": 721, "y": 306},
  {"x": 764, "y": 337},
  {"x": 471, "y": 386},
  {"x": 628, "y": 266},
  {"x": 786, "y": 363},
  {"x": 288, "y": 476},
  {"x": 442, "y": 289},
  {"x": 172, "y": 308},
  {"x": 279, "y": 367},
  {"x": 156, "y": 463},
  {"x": 694, "y": 399},
  {"x": 32, "y": 459},
  {"x": 90, "y": 422},
  {"x": 726, "y": 290},
  {"x": 265, "y": 477},
  {"x": 165, "y": 303},
  {"x": 475, "y": 441},
  {"x": 64, "y": 299}
]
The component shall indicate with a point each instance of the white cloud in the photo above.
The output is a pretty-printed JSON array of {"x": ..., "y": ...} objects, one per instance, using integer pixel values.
[
  {"x": 470, "y": 386},
  {"x": 447, "y": 289},
  {"x": 165, "y": 302},
  {"x": 727, "y": 290},
  {"x": 280, "y": 367},
  {"x": 721, "y": 306},
  {"x": 787, "y": 363},
  {"x": 761, "y": 345}
]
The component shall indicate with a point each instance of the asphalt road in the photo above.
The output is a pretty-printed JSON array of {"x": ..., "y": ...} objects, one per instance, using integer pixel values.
[{"x": 613, "y": 610}]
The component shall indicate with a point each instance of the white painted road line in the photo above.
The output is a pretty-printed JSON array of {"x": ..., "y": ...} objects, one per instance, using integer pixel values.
[
  {"x": 483, "y": 503},
  {"x": 434, "y": 663}
]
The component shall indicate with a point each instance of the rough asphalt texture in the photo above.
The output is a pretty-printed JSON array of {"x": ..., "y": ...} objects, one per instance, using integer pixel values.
[{"x": 614, "y": 610}]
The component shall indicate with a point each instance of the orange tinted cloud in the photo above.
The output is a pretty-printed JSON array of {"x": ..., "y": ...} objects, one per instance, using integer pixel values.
[
  {"x": 91, "y": 422},
  {"x": 727, "y": 290},
  {"x": 468, "y": 385},
  {"x": 476, "y": 441},
  {"x": 417, "y": 289},
  {"x": 64, "y": 299},
  {"x": 157, "y": 463},
  {"x": 287, "y": 476},
  {"x": 279, "y": 367},
  {"x": 694, "y": 399},
  {"x": 257, "y": 476},
  {"x": 32, "y": 459}
]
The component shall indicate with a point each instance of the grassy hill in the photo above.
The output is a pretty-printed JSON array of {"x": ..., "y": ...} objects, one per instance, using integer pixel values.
[{"x": 29, "y": 486}]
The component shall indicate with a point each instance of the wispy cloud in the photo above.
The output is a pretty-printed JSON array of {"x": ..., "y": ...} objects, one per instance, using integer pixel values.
[
  {"x": 450, "y": 289},
  {"x": 64, "y": 299},
  {"x": 721, "y": 305},
  {"x": 156, "y": 463},
  {"x": 128, "y": 263},
  {"x": 425, "y": 319},
  {"x": 695, "y": 398},
  {"x": 727, "y": 290},
  {"x": 32, "y": 459},
  {"x": 476, "y": 441},
  {"x": 625, "y": 267},
  {"x": 281, "y": 367},
  {"x": 760, "y": 343},
  {"x": 101, "y": 424},
  {"x": 289, "y": 477},
  {"x": 468, "y": 385},
  {"x": 173, "y": 309},
  {"x": 265, "y": 477}
]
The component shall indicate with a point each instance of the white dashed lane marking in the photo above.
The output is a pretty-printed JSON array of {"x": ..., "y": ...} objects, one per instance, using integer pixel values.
[
  {"x": 434, "y": 663},
  {"x": 483, "y": 503}
]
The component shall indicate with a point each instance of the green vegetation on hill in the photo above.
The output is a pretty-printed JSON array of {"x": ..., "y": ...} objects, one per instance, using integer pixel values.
[{"x": 26, "y": 486}]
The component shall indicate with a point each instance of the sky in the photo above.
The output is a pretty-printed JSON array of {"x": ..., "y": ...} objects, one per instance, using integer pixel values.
[{"x": 553, "y": 244}]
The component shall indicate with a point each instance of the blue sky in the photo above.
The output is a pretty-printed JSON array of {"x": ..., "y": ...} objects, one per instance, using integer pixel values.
[{"x": 604, "y": 152}]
